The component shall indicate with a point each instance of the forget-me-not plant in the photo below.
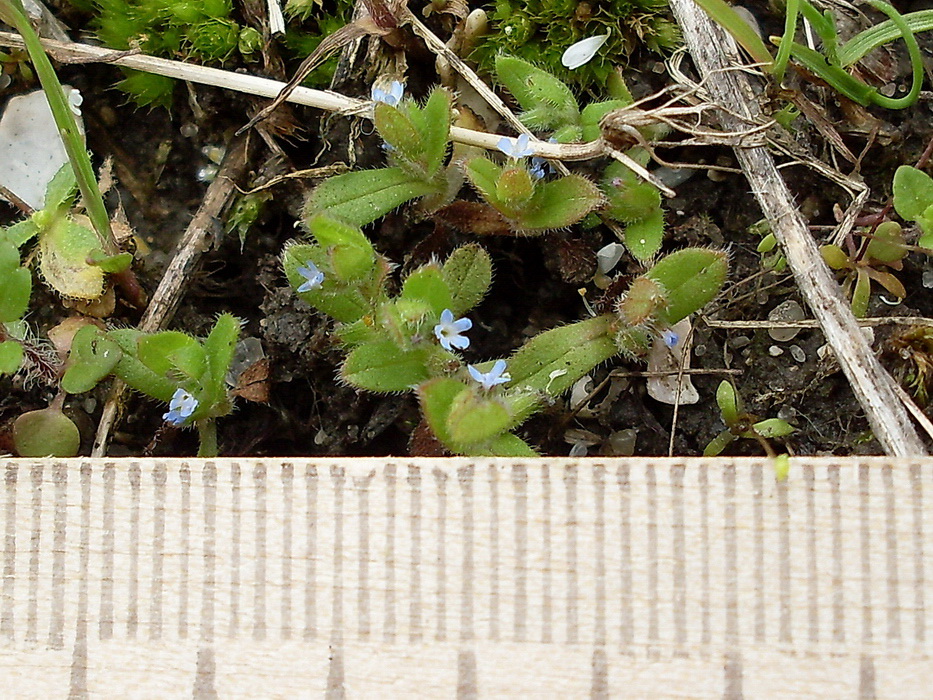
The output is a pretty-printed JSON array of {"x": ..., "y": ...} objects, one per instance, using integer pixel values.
[
  {"x": 497, "y": 375},
  {"x": 450, "y": 331},
  {"x": 391, "y": 97},
  {"x": 314, "y": 278},
  {"x": 180, "y": 408},
  {"x": 515, "y": 148}
]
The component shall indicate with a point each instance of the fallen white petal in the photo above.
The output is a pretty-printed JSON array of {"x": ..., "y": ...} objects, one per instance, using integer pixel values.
[
  {"x": 661, "y": 358},
  {"x": 584, "y": 50},
  {"x": 31, "y": 149}
]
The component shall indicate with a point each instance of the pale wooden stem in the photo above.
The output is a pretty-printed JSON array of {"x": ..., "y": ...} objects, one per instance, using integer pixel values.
[{"x": 872, "y": 385}]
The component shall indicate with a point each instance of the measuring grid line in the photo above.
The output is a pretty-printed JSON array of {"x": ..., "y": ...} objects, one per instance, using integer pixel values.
[{"x": 576, "y": 575}]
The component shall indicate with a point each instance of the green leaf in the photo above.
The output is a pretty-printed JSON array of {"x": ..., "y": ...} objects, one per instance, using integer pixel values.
[
  {"x": 728, "y": 402},
  {"x": 11, "y": 356},
  {"x": 888, "y": 244},
  {"x": 861, "y": 294},
  {"x": 135, "y": 373},
  {"x": 484, "y": 176},
  {"x": 643, "y": 238},
  {"x": 475, "y": 419},
  {"x": 436, "y": 398},
  {"x": 554, "y": 360},
  {"x": 559, "y": 203},
  {"x": 834, "y": 256},
  {"x": 110, "y": 263},
  {"x": 219, "y": 347},
  {"x": 506, "y": 445},
  {"x": 548, "y": 102},
  {"x": 93, "y": 356},
  {"x": 359, "y": 198},
  {"x": 20, "y": 233},
  {"x": 60, "y": 192},
  {"x": 64, "y": 247},
  {"x": 692, "y": 278},
  {"x": 468, "y": 273},
  {"x": 433, "y": 123},
  {"x": 351, "y": 254},
  {"x": 925, "y": 222},
  {"x": 45, "y": 433},
  {"x": 384, "y": 367},
  {"x": 593, "y": 114},
  {"x": 630, "y": 200},
  {"x": 340, "y": 301},
  {"x": 718, "y": 444},
  {"x": 169, "y": 353},
  {"x": 427, "y": 284},
  {"x": 913, "y": 192},
  {"x": 15, "y": 284},
  {"x": 397, "y": 130},
  {"x": 514, "y": 188},
  {"x": 773, "y": 428}
]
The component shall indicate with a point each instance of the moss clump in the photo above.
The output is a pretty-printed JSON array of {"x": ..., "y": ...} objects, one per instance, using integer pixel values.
[
  {"x": 541, "y": 30},
  {"x": 206, "y": 31}
]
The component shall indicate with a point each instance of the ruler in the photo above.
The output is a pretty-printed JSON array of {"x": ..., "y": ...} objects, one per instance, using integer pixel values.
[{"x": 394, "y": 578}]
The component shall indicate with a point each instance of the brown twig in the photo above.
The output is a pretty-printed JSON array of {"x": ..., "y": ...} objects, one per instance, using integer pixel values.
[
  {"x": 872, "y": 385},
  {"x": 194, "y": 243}
]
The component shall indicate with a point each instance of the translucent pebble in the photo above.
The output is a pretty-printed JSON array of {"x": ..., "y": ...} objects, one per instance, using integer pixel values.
[
  {"x": 789, "y": 310},
  {"x": 578, "y": 450},
  {"x": 622, "y": 443},
  {"x": 207, "y": 173},
  {"x": 608, "y": 257},
  {"x": 787, "y": 413}
]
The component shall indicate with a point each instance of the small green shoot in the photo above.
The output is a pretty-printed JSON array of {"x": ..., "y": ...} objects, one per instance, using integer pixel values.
[
  {"x": 865, "y": 263},
  {"x": 742, "y": 425}
]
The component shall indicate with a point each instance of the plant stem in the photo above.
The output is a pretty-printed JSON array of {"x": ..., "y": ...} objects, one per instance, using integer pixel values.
[{"x": 207, "y": 435}]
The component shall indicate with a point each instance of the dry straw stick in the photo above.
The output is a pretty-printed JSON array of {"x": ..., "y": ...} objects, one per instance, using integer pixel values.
[{"x": 872, "y": 385}]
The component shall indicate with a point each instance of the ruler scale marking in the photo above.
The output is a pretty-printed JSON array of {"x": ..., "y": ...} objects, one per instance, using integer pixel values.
[
  {"x": 916, "y": 476},
  {"x": 9, "y": 552}
]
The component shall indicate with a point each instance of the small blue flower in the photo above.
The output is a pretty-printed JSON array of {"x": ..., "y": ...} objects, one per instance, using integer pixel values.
[
  {"x": 537, "y": 167},
  {"x": 392, "y": 97},
  {"x": 515, "y": 148},
  {"x": 670, "y": 337},
  {"x": 180, "y": 408},
  {"x": 314, "y": 278},
  {"x": 450, "y": 332},
  {"x": 497, "y": 375}
]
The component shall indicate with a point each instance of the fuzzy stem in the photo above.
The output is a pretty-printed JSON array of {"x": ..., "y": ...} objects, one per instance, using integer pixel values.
[{"x": 207, "y": 435}]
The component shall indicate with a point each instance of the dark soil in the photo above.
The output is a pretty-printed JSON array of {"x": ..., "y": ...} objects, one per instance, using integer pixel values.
[{"x": 536, "y": 284}]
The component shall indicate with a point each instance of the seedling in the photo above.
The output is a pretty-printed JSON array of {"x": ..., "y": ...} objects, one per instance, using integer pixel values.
[
  {"x": 865, "y": 263},
  {"x": 187, "y": 373},
  {"x": 742, "y": 425}
]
